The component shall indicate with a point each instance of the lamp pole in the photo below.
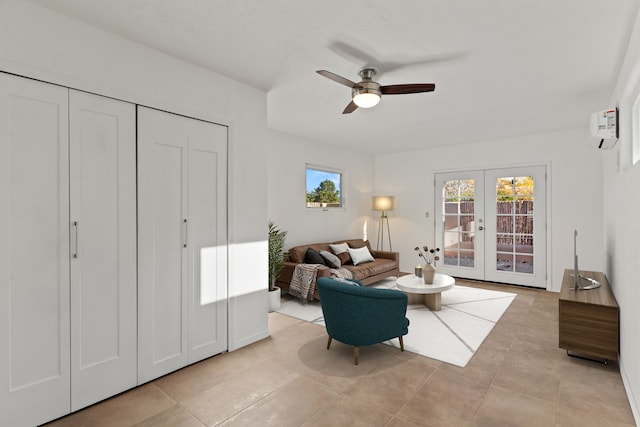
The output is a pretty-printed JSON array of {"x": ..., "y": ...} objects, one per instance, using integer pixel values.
[{"x": 380, "y": 243}]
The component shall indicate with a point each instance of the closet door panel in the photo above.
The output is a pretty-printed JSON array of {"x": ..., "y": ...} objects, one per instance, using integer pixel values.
[
  {"x": 207, "y": 234},
  {"x": 34, "y": 252},
  {"x": 103, "y": 265},
  {"x": 162, "y": 273}
]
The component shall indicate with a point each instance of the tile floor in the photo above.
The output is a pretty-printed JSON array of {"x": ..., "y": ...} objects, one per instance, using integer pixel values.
[{"x": 519, "y": 377}]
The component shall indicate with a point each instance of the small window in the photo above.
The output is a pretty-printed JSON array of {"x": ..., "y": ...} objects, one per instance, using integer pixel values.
[{"x": 324, "y": 187}]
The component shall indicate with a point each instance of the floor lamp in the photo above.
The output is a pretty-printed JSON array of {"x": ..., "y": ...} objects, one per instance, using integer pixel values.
[{"x": 383, "y": 204}]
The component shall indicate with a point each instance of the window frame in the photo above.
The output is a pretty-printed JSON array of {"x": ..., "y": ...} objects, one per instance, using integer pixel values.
[{"x": 341, "y": 187}]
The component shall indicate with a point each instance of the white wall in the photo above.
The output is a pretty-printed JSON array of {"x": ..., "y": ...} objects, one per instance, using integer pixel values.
[
  {"x": 622, "y": 226},
  {"x": 287, "y": 157},
  {"x": 37, "y": 43},
  {"x": 574, "y": 193}
]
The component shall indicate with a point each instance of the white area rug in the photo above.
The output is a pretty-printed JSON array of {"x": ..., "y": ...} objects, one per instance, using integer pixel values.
[{"x": 451, "y": 335}]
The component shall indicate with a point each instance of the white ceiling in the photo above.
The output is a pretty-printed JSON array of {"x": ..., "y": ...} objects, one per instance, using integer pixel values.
[{"x": 502, "y": 68}]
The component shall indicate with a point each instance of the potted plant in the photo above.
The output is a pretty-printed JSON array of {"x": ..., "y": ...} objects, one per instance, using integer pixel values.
[{"x": 277, "y": 239}]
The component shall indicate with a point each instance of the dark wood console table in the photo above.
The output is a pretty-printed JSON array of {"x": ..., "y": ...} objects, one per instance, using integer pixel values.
[{"x": 588, "y": 319}]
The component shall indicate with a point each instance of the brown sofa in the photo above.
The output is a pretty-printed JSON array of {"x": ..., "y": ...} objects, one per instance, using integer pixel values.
[{"x": 385, "y": 264}]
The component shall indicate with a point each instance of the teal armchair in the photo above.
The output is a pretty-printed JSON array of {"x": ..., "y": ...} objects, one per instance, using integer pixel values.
[{"x": 358, "y": 315}]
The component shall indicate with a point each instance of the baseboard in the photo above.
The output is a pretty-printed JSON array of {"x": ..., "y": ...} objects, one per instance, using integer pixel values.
[{"x": 633, "y": 402}]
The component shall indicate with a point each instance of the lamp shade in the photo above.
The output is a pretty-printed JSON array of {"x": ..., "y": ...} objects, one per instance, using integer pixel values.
[{"x": 383, "y": 203}]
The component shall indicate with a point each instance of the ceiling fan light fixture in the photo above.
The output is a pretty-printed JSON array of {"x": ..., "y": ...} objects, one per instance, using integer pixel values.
[
  {"x": 367, "y": 93},
  {"x": 366, "y": 96},
  {"x": 366, "y": 100}
]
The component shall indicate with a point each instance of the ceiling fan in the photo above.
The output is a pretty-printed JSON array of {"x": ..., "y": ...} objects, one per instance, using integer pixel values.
[{"x": 367, "y": 93}]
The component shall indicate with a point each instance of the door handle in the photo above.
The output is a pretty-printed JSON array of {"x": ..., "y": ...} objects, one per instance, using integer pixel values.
[
  {"x": 480, "y": 228},
  {"x": 184, "y": 244},
  {"x": 75, "y": 229}
]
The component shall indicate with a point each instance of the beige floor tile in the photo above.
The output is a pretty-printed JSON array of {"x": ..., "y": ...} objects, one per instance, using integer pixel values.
[
  {"x": 501, "y": 338},
  {"x": 391, "y": 388},
  {"x": 592, "y": 374},
  {"x": 290, "y": 405},
  {"x": 124, "y": 409},
  {"x": 569, "y": 417},
  {"x": 447, "y": 399},
  {"x": 530, "y": 374},
  {"x": 502, "y": 407},
  {"x": 191, "y": 380},
  {"x": 200, "y": 376},
  {"x": 175, "y": 416},
  {"x": 279, "y": 322},
  {"x": 228, "y": 398},
  {"x": 483, "y": 365},
  {"x": 604, "y": 399},
  {"x": 336, "y": 369},
  {"x": 397, "y": 422},
  {"x": 287, "y": 342},
  {"x": 346, "y": 411}
]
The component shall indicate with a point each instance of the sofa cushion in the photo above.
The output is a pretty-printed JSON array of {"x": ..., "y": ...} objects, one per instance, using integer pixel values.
[
  {"x": 330, "y": 259},
  {"x": 312, "y": 256},
  {"x": 377, "y": 266},
  {"x": 360, "y": 255}
]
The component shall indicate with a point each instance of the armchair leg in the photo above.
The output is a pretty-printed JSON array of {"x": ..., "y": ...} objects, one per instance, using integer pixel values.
[
  {"x": 329, "y": 343},
  {"x": 401, "y": 343},
  {"x": 356, "y": 353}
]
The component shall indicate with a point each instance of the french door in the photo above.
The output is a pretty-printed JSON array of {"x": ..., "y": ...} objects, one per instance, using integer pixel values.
[{"x": 491, "y": 224}]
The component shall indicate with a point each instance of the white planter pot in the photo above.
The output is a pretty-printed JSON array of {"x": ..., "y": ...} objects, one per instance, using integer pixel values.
[{"x": 274, "y": 299}]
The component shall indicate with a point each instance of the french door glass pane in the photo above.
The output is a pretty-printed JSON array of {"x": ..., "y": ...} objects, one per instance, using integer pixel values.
[
  {"x": 459, "y": 218},
  {"x": 514, "y": 224}
]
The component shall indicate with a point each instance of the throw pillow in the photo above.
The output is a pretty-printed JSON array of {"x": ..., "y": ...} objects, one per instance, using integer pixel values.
[
  {"x": 339, "y": 248},
  {"x": 360, "y": 255},
  {"x": 313, "y": 257},
  {"x": 360, "y": 244},
  {"x": 344, "y": 257},
  {"x": 330, "y": 259}
]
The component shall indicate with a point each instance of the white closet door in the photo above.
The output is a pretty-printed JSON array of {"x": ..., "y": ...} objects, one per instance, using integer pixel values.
[
  {"x": 182, "y": 241},
  {"x": 162, "y": 246},
  {"x": 207, "y": 239},
  {"x": 103, "y": 245},
  {"x": 34, "y": 252}
]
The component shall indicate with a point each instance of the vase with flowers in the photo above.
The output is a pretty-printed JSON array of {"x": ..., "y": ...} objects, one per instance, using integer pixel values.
[{"x": 430, "y": 257}]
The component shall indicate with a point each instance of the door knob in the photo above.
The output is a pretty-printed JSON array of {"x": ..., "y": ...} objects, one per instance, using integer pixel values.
[{"x": 480, "y": 228}]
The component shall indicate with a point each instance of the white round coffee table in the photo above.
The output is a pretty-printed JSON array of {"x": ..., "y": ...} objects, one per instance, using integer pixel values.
[{"x": 419, "y": 292}]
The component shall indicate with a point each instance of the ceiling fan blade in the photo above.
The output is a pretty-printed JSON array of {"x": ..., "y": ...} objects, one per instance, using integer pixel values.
[
  {"x": 350, "y": 108},
  {"x": 337, "y": 78},
  {"x": 363, "y": 56},
  {"x": 407, "y": 88},
  {"x": 353, "y": 54}
]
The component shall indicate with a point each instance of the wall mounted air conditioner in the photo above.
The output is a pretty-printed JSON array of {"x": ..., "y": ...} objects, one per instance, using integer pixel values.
[{"x": 604, "y": 129}]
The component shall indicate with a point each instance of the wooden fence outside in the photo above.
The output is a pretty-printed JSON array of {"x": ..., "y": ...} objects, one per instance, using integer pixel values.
[{"x": 514, "y": 221}]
